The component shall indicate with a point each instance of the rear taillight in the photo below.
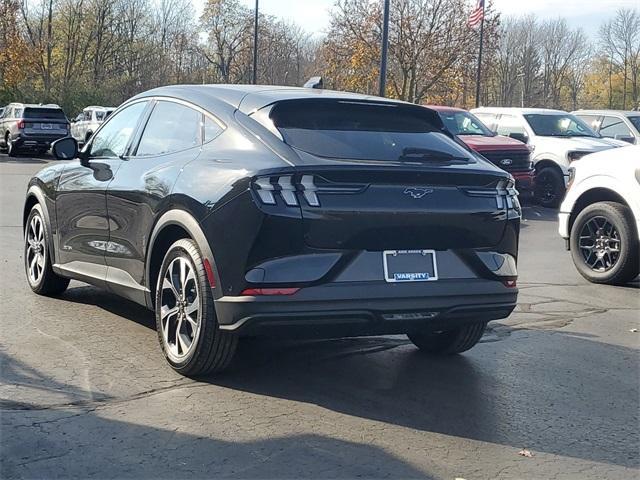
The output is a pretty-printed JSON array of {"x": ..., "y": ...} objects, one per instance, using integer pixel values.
[
  {"x": 286, "y": 187},
  {"x": 21, "y": 124}
]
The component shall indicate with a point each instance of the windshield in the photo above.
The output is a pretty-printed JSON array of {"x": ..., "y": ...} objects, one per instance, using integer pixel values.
[
  {"x": 635, "y": 120},
  {"x": 44, "y": 113},
  {"x": 558, "y": 125},
  {"x": 365, "y": 131},
  {"x": 464, "y": 123}
]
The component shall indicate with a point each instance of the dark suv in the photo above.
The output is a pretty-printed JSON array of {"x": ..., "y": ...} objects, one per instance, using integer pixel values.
[
  {"x": 31, "y": 127},
  {"x": 253, "y": 210}
]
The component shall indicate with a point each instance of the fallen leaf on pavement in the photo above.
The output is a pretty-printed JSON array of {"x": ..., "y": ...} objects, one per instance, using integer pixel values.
[{"x": 525, "y": 453}]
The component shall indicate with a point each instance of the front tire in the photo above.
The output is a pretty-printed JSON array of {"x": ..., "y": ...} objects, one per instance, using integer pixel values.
[
  {"x": 37, "y": 258},
  {"x": 449, "y": 342},
  {"x": 549, "y": 187},
  {"x": 186, "y": 320},
  {"x": 604, "y": 244}
]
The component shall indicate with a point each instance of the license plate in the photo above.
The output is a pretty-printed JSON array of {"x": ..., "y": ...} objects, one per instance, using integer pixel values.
[
  {"x": 46, "y": 126},
  {"x": 409, "y": 265}
]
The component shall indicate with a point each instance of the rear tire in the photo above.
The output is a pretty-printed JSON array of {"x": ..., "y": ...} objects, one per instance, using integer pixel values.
[
  {"x": 450, "y": 342},
  {"x": 549, "y": 187},
  {"x": 186, "y": 321},
  {"x": 617, "y": 266},
  {"x": 37, "y": 258},
  {"x": 12, "y": 151}
]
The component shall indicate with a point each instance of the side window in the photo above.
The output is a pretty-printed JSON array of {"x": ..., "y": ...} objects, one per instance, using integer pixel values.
[
  {"x": 613, "y": 127},
  {"x": 171, "y": 127},
  {"x": 100, "y": 116},
  {"x": 489, "y": 119},
  {"x": 591, "y": 120},
  {"x": 112, "y": 139},
  {"x": 17, "y": 113},
  {"x": 211, "y": 129},
  {"x": 87, "y": 116},
  {"x": 513, "y": 127}
]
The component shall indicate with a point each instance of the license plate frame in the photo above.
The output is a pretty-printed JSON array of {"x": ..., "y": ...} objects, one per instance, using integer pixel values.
[
  {"x": 391, "y": 275},
  {"x": 46, "y": 126}
]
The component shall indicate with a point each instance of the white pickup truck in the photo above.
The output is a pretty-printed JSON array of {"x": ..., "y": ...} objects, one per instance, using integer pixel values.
[
  {"x": 87, "y": 122},
  {"x": 556, "y": 138}
]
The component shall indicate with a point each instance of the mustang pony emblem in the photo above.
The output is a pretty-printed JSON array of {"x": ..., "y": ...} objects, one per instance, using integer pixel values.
[{"x": 417, "y": 192}]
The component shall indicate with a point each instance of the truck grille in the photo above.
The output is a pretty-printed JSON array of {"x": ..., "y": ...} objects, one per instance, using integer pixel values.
[{"x": 519, "y": 160}]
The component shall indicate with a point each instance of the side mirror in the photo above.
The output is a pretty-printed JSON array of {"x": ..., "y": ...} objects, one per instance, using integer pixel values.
[
  {"x": 626, "y": 138},
  {"x": 519, "y": 136},
  {"x": 65, "y": 148}
]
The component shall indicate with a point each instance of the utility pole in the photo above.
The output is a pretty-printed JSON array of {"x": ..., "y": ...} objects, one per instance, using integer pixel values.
[
  {"x": 255, "y": 45},
  {"x": 385, "y": 46}
]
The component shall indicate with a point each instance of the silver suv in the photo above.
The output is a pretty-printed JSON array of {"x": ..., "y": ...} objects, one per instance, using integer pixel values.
[
  {"x": 87, "y": 122},
  {"x": 31, "y": 127}
]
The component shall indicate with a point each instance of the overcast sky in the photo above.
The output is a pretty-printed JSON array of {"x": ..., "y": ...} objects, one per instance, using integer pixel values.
[{"x": 313, "y": 15}]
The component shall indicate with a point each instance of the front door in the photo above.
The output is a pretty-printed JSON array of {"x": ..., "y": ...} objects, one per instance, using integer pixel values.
[{"x": 81, "y": 205}]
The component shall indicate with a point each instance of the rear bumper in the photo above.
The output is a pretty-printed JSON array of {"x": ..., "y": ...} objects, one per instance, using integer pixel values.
[
  {"x": 368, "y": 308},
  {"x": 22, "y": 140}
]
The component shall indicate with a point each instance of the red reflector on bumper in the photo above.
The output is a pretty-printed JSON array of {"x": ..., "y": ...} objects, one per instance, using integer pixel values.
[
  {"x": 510, "y": 283},
  {"x": 269, "y": 291},
  {"x": 209, "y": 270}
]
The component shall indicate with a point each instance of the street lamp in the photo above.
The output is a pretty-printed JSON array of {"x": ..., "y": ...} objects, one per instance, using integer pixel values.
[
  {"x": 385, "y": 45},
  {"x": 255, "y": 45}
]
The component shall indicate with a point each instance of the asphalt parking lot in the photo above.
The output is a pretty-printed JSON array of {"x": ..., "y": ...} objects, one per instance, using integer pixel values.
[{"x": 86, "y": 393}]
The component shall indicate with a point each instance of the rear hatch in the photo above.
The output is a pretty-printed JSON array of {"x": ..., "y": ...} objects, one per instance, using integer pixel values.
[
  {"x": 45, "y": 121},
  {"x": 376, "y": 176}
]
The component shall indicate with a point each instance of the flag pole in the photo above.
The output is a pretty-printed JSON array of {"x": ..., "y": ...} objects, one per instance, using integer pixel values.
[{"x": 479, "y": 59}]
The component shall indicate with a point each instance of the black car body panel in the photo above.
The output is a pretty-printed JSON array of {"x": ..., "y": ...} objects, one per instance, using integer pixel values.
[{"x": 309, "y": 258}]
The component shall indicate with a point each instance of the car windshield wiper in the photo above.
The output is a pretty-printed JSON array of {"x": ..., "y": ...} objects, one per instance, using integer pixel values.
[{"x": 429, "y": 155}]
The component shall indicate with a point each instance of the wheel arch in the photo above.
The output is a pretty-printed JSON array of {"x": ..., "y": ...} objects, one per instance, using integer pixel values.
[
  {"x": 35, "y": 196},
  {"x": 170, "y": 227},
  {"x": 546, "y": 163},
  {"x": 591, "y": 196}
]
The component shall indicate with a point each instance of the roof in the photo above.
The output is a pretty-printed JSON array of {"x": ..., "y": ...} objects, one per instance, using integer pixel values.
[
  {"x": 33, "y": 105},
  {"x": 517, "y": 110},
  {"x": 608, "y": 112},
  {"x": 249, "y": 98},
  {"x": 445, "y": 108},
  {"x": 97, "y": 107}
]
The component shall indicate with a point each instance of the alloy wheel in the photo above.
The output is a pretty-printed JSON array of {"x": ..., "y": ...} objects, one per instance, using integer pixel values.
[
  {"x": 546, "y": 187},
  {"x": 599, "y": 244},
  {"x": 36, "y": 250},
  {"x": 180, "y": 316}
]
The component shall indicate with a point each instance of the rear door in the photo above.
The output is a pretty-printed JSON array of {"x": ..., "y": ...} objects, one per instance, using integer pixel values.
[
  {"x": 381, "y": 176},
  {"x": 140, "y": 188},
  {"x": 46, "y": 122},
  {"x": 81, "y": 205}
]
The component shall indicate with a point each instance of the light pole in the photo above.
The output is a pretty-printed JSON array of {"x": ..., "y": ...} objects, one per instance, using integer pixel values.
[
  {"x": 385, "y": 45},
  {"x": 255, "y": 45},
  {"x": 521, "y": 76}
]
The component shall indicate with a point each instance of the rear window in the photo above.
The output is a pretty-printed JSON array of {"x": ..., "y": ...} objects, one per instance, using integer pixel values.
[
  {"x": 54, "y": 113},
  {"x": 360, "y": 130}
]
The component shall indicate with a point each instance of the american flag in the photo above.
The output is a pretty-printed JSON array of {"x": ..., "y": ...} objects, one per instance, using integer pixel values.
[{"x": 477, "y": 14}]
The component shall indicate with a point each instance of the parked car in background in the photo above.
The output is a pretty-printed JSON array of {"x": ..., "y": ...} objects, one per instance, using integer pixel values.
[
  {"x": 556, "y": 138},
  {"x": 600, "y": 216},
  {"x": 618, "y": 124},
  {"x": 505, "y": 152},
  {"x": 87, "y": 122},
  {"x": 243, "y": 210},
  {"x": 31, "y": 127}
]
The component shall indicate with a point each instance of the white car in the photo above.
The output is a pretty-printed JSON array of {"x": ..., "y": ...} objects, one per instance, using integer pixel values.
[
  {"x": 600, "y": 214},
  {"x": 87, "y": 122},
  {"x": 556, "y": 139},
  {"x": 618, "y": 124}
]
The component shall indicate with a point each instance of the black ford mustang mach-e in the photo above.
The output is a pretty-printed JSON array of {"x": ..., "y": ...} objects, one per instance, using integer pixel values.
[{"x": 235, "y": 210}]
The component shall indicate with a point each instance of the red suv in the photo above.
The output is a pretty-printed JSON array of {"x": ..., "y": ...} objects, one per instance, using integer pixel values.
[{"x": 507, "y": 153}]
